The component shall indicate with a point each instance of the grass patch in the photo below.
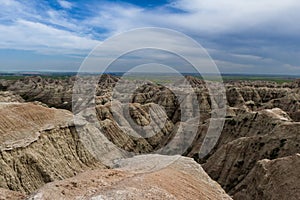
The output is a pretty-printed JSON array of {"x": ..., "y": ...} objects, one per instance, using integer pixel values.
[{"x": 20, "y": 77}]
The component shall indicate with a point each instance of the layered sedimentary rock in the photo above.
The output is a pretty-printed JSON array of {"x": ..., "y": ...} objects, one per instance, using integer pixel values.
[
  {"x": 272, "y": 179},
  {"x": 246, "y": 94},
  {"x": 50, "y": 150},
  {"x": 261, "y": 95},
  {"x": 262, "y": 122},
  {"x": 53, "y": 92},
  {"x": 182, "y": 179},
  {"x": 8, "y": 96},
  {"x": 231, "y": 163},
  {"x": 39, "y": 145}
]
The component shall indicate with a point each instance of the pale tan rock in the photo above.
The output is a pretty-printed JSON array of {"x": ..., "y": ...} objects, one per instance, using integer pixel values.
[
  {"x": 53, "y": 92},
  {"x": 8, "y": 96},
  {"x": 10, "y": 195},
  {"x": 231, "y": 163},
  {"x": 271, "y": 179},
  {"x": 21, "y": 123},
  {"x": 39, "y": 145},
  {"x": 43, "y": 145},
  {"x": 182, "y": 179}
]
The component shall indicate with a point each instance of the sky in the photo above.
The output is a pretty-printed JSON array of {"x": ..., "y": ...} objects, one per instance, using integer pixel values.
[{"x": 241, "y": 36}]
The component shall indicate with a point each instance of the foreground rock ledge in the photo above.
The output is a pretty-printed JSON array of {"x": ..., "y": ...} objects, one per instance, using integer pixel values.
[{"x": 181, "y": 179}]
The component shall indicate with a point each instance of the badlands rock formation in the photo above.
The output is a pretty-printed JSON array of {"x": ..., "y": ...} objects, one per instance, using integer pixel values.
[
  {"x": 260, "y": 95},
  {"x": 245, "y": 94},
  {"x": 39, "y": 145},
  {"x": 7, "y": 96},
  {"x": 181, "y": 179},
  {"x": 53, "y": 92},
  {"x": 256, "y": 154},
  {"x": 272, "y": 179},
  {"x": 9, "y": 194}
]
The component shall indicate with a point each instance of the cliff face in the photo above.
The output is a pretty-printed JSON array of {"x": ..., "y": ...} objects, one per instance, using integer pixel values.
[
  {"x": 272, "y": 179},
  {"x": 231, "y": 163},
  {"x": 53, "y": 92},
  {"x": 261, "y": 124},
  {"x": 39, "y": 145}
]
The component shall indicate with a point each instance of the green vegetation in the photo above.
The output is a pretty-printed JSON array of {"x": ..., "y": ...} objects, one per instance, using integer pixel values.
[
  {"x": 276, "y": 79},
  {"x": 226, "y": 78},
  {"x": 165, "y": 78},
  {"x": 11, "y": 77},
  {"x": 20, "y": 77},
  {"x": 155, "y": 79}
]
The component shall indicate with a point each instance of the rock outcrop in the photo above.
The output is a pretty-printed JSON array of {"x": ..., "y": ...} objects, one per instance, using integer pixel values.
[
  {"x": 181, "y": 179},
  {"x": 232, "y": 161},
  {"x": 257, "y": 147},
  {"x": 272, "y": 179},
  {"x": 53, "y": 92},
  {"x": 39, "y": 145},
  {"x": 256, "y": 96},
  {"x": 9, "y": 194},
  {"x": 8, "y": 96}
]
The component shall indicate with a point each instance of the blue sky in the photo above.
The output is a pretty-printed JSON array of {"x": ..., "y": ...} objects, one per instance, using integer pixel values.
[{"x": 258, "y": 36}]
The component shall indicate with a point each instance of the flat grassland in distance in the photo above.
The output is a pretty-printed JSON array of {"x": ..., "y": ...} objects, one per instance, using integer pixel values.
[
  {"x": 160, "y": 78},
  {"x": 278, "y": 79},
  {"x": 167, "y": 78},
  {"x": 19, "y": 75}
]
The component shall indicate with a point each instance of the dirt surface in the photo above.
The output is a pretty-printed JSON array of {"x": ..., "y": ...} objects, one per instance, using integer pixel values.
[
  {"x": 21, "y": 123},
  {"x": 8, "y": 194},
  {"x": 182, "y": 179}
]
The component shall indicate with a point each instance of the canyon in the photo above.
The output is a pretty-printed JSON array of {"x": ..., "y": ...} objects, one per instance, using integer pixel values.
[{"x": 54, "y": 145}]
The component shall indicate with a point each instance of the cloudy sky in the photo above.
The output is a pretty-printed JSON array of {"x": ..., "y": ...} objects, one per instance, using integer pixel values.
[{"x": 242, "y": 36}]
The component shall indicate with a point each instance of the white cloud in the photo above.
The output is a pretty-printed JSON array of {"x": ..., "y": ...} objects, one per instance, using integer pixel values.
[
  {"x": 61, "y": 19},
  {"x": 29, "y": 35},
  {"x": 234, "y": 15},
  {"x": 65, "y": 4},
  {"x": 202, "y": 16},
  {"x": 32, "y": 25},
  {"x": 40, "y": 28},
  {"x": 115, "y": 18}
]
